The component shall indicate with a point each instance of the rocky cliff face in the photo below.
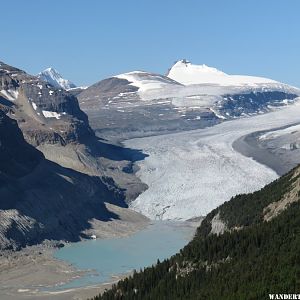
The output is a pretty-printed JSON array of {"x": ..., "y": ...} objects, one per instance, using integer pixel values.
[
  {"x": 42, "y": 200},
  {"x": 51, "y": 120},
  {"x": 17, "y": 158},
  {"x": 31, "y": 209},
  {"x": 45, "y": 114}
]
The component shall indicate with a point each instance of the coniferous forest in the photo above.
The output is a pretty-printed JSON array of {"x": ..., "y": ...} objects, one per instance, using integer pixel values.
[{"x": 251, "y": 259}]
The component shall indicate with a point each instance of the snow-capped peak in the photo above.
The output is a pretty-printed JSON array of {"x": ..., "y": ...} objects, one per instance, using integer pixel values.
[
  {"x": 52, "y": 76},
  {"x": 182, "y": 64},
  {"x": 187, "y": 73}
]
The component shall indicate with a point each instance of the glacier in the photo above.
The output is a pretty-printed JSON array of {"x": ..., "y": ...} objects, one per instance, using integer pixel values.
[{"x": 190, "y": 173}]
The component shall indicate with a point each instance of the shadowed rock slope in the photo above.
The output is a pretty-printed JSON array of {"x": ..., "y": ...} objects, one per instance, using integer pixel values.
[{"x": 41, "y": 200}]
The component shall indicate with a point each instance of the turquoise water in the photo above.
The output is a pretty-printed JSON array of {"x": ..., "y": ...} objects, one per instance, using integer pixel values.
[{"x": 109, "y": 257}]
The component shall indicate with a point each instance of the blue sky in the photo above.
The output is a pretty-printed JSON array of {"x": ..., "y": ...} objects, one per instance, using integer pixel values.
[{"x": 89, "y": 40}]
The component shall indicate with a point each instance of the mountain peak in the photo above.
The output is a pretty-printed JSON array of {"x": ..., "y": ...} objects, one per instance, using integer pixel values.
[
  {"x": 186, "y": 65},
  {"x": 184, "y": 72},
  {"x": 53, "y": 77},
  {"x": 182, "y": 62},
  {"x": 50, "y": 70}
]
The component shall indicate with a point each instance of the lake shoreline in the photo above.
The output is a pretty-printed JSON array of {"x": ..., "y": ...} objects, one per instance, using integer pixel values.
[
  {"x": 29, "y": 272},
  {"x": 107, "y": 259},
  {"x": 35, "y": 273}
]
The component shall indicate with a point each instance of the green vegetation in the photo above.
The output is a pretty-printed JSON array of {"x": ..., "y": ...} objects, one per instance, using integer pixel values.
[{"x": 249, "y": 263}]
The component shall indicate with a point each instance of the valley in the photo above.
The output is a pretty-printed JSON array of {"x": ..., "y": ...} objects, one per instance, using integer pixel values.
[
  {"x": 212, "y": 149},
  {"x": 134, "y": 155},
  {"x": 149, "y": 150}
]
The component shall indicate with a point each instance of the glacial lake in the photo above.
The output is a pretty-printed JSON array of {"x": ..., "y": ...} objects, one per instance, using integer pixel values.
[{"x": 106, "y": 258}]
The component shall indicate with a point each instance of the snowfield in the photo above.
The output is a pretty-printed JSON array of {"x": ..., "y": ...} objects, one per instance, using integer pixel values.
[
  {"x": 187, "y": 73},
  {"x": 51, "y": 114},
  {"x": 145, "y": 81},
  {"x": 188, "y": 85},
  {"x": 10, "y": 94},
  {"x": 191, "y": 173}
]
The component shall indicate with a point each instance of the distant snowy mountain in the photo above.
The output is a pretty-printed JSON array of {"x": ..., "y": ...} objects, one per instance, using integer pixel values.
[
  {"x": 142, "y": 103},
  {"x": 52, "y": 76},
  {"x": 187, "y": 73}
]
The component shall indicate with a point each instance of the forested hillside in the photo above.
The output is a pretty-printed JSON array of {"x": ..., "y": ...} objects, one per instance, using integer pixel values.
[{"x": 245, "y": 249}]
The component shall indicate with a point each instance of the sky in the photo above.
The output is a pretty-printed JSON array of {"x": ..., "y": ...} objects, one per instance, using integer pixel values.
[{"x": 89, "y": 40}]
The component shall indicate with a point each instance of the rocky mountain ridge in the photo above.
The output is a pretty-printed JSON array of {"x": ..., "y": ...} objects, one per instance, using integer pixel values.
[
  {"x": 40, "y": 109},
  {"x": 52, "y": 121},
  {"x": 140, "y": 103},
  {"x": 64, "y": 153}
]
